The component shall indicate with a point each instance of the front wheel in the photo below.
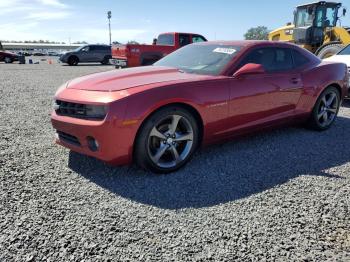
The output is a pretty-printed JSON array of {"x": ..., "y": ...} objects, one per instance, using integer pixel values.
[
  {"x": 73, "y": 61},
  {"x": 167, "y": 140},
  {"x": 326, "y": 109}
]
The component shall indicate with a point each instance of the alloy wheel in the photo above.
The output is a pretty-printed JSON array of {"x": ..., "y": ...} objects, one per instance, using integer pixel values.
[
  {"x": 170, "y": 141},
  {"x": 328, "y": 108}
]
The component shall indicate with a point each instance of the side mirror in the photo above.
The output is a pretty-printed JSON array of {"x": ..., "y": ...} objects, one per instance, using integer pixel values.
[
  {"x": 344, "y": 11},
  {"x": 249, "y": 69}
]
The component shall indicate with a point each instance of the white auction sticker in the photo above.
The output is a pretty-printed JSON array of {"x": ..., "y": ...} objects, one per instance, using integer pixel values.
[{"x": 222, "y": 50}]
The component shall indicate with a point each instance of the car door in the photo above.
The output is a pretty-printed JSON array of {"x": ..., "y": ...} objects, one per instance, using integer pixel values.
[
  {"x": 263, "y": 98},
  {"x": 84, "y": 54},
  {"x": 95, "y": 53}
]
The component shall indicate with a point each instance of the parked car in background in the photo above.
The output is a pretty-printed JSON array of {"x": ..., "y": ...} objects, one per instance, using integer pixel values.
[
  {"x": 38, "y": 53},
  {"x": 8, "y": 57},
  {"x": 52, "y": 53},
  {"x": 342, "y": 57},
  {"x": 87, "y": 54},
  {"x": 131, "y": 55},
  {"x": 203, "y": 93}
]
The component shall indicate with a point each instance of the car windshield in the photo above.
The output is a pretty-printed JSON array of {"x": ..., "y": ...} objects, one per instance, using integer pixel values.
[
  {"x": 303, "y": 18},
  {"x": 345, "y": 51},
  {"x": 200, "y": 59}
]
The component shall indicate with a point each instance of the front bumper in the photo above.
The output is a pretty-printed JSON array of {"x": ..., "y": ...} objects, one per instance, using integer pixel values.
[
  {"x": 118, "y": 62},
  {"x": 114, "y": 145}
]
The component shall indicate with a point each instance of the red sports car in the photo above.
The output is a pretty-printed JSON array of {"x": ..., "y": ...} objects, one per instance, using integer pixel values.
[{"x": 157, "y": 116}]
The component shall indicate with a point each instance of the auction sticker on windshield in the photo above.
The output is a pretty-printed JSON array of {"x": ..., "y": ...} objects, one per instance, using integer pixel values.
[{"x": 222, "y": 50}]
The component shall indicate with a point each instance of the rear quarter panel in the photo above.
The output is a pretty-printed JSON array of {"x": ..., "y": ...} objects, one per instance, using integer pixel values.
[{"x": 317, "y": 78}]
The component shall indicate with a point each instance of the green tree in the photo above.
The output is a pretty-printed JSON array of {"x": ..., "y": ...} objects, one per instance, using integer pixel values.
[{"x": 257, "y": 33}]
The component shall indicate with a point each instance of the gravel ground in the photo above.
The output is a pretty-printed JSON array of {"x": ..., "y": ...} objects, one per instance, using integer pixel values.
[{"x": 281, "y": 195}]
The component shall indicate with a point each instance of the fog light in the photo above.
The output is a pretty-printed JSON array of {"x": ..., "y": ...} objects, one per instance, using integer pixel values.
[{"x": 92, "y": 143}]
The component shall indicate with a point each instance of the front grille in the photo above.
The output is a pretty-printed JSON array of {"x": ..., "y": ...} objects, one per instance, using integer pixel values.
[
  {"x": 74, "y": 110},
  {"x": 68, "y": 138}
]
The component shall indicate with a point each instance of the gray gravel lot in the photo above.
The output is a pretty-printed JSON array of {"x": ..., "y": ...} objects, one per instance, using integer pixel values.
[{"x": 280, "y": 195}]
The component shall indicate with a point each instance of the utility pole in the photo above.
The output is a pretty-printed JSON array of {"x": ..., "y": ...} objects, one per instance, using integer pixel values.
[{"x": 109, "y": 16}]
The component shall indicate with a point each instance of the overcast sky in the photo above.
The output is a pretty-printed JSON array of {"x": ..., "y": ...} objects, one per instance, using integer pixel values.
[{"x": 140, "y": 20}]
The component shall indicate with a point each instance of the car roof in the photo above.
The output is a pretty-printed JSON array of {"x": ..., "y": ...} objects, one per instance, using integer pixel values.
[{"x": 247, "y": 43}]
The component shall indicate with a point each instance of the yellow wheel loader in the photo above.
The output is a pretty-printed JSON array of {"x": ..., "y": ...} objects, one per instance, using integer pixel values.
[{"x": 316, "y": 29}]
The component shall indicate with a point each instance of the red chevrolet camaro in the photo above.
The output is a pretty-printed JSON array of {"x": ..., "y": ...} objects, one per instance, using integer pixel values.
[{"x": 157, "y": 116}]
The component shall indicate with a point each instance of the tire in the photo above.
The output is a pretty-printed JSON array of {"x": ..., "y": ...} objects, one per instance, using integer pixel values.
[
  {"x": 73, "y": 61},
  {"x": 8, "y": 60},
  {"x": 325, "y": 110},
  {"x": 105, "y": 60},
  {"x": 161, "y": 150},
  {"x": 329, "y": 50}
]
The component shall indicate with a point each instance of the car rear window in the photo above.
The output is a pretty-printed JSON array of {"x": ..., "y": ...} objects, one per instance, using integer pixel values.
[{"x": 166, "y": 39}]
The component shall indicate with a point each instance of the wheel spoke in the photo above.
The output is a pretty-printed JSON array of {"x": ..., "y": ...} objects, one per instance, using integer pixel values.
[
  {"x": 174, "y": 123},
  {"x": 324, "y": 100},
  {"x": 332, "y": 110},
  {"x": 185, "y": 137},
  {"x": 156, "y": 133},
  {"x": 320, "y": 115},
  {"x": 175, "y": 154},
  {"x": 160, "y": 152},
  {"x": 325, "y": 116},
  {"x": 331, "y": 100}
]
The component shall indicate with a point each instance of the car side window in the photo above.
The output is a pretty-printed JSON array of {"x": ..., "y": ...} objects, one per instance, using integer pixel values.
[
  {"x": 85, "y": 49},
  {"x": 299, "y": 59},
  {"x": 184, "y": 39},
  {"x": 272, "y": 59},
  {"x": 93, "y": 48},
  {"x": 197, "y": 39}
]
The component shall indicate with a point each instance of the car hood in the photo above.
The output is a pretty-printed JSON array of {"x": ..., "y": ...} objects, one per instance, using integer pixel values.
[
  {"x": 340, "y": 59},
  {"x": 116, "y": 80}
]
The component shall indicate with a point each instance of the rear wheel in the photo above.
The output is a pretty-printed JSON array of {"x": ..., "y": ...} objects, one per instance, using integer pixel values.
[
  {"x": 329, "y": 50},
  {"x": 167, "y": 140},
  {"x": 105, "y": 60},
  {"x": 73, "y": 61},
  {"x": 326, "y": 109}
]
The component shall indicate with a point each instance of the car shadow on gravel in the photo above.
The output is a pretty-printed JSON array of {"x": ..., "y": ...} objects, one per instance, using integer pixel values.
[{"x": 227, "y": 172}]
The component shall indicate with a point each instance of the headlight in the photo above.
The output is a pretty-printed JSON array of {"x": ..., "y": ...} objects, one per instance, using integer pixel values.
[
  {"x": 77, "y": 110},
  {"x": 96, "y": 111}
]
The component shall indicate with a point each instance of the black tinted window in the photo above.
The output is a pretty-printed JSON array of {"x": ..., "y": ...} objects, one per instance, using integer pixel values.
[
  {"x": 184, "y": 39},
  {"x": 167, "y": 39},
  {"x": 197, "y": 38},
  {"x": 299, "y": 59},
  {"x": 272, "y": 59},
  {"x": 93, "y": 48}
]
